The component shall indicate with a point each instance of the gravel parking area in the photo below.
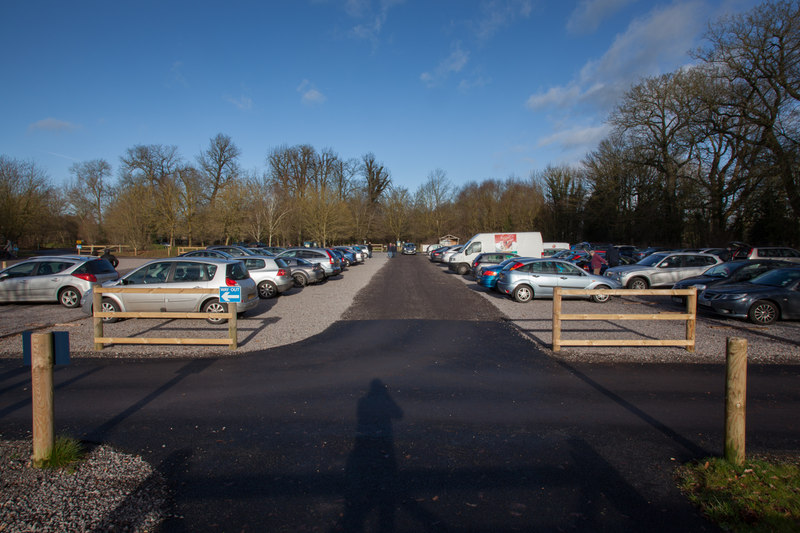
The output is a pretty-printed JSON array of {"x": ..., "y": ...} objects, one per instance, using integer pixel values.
[
  {"x": 777, "y": 343},
  {"x": 295, "y": 315}
]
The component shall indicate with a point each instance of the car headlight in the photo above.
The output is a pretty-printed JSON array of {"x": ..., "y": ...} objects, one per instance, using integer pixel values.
[{"x": 734, "y": 296}]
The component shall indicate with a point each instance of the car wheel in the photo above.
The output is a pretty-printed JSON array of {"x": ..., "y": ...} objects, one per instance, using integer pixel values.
[
  {"x": 215, "y": 306},
  {"x": 523, "y": 293},
  {"x": 267, "y": 289},
  {"x": 69, "y": 297},
  {"x": 300, "y": 280},
  {"x": 462, "y": 269},
  {"x": 763, "y": 312},
  {"x": 638, "y": 284},
  {"x": 109, "y": 306},
  {"x": 601, "y": 298}
]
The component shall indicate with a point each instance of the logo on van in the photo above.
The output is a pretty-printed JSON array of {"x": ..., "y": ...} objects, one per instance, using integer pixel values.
[{"x": 505, "y": 242}]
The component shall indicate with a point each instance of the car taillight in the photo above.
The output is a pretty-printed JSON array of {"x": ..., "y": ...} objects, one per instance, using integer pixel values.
[
  {"x": 230, "y": 282},
  {"x": 516, "y": 265},
  {"x": 86, "y": 277},
  {"x": 330, "y": 257},
  {"x": 282, "y": 272}
]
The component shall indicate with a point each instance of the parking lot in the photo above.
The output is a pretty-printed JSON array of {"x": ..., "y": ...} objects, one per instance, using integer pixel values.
[{"x": 302, "y": 313}]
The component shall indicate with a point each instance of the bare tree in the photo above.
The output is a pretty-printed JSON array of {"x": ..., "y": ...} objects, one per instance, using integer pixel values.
[
  {"x": 432, "y": 199},
  {"x": 219, "y": 165}
]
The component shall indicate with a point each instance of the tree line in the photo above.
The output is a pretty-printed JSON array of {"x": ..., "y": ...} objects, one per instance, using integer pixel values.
[{"x": 696, "y": 157}]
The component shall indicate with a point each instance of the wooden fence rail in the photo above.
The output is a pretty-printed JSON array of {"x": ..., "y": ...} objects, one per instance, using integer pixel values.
[
  {"x": 690, "y": 316},
  {"x": 100, "y": 340}
]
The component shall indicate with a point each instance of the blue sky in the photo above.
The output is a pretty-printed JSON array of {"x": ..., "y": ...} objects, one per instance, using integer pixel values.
[{"x": 479, "y": 89}]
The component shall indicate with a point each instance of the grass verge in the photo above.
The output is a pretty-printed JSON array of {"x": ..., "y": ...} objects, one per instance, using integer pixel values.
[{"x": 762, "y": 495}]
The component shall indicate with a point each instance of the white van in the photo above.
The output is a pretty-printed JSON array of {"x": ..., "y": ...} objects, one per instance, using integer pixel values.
[
  {"x": 524, "y": 244},
  {"x": 551, "y": 248}
]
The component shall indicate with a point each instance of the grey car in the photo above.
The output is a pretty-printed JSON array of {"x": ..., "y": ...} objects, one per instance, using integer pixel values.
[
  {"x": 179, "y": 273},
  {"x": 62, "y": 278},
  {"x": 662, "y": 269},
  {"x": 271, "y": 278},
  {"x": 303, "y": 272},
  {"x": 537, "y": 278},
  {"x": 484, "y": 260},
  {"x": 330, "y": 264}
]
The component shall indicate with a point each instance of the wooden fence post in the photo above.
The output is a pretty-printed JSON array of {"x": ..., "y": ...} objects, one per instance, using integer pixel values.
[
  {"x": 691, "y": 324},
  {"x": 97, "y": 302},
  {"x": 557, "y": 319},
  {"x": 735, "y": 399},
  {"x": 42, "y": 397},
  {"x": 233, "y": 309}
]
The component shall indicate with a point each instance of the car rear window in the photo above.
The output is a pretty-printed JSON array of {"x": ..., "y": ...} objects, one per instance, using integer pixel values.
[
  {"x": 236, "y": 271},
  {"x": 96, "y": 266}
]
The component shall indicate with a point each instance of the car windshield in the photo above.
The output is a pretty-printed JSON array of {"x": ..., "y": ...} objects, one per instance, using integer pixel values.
[
  {"x": 777, "y": 278},
  {"x": 652, "y": 260},
  {"x": 723, "y": 270}
]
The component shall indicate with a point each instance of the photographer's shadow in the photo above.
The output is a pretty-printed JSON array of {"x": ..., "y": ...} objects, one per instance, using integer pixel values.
[{"x": 371, "y": 473}]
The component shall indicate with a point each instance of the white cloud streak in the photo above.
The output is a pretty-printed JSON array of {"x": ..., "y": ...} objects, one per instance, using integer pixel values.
[
  {"x": 453, "y": 63},
  {"x": 310, "y": 94},
  {"x": 588, "y": 14},
  {"x": 52, "y": 124}
]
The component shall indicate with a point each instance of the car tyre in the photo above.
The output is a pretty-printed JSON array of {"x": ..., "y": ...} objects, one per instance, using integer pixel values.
[
  {"x": 69, "y": 297},
  {"x": 300, "y": 280},
  {"x": 523, "y": 293},
  {"x": 108, "y": 305},
  {"x": 638, "y": 284},
  {"x": 763, "y": 313},
  {"x": 601, "y": 298},
  {"x": 462, "y": 270},
  {"x": 267, "y": 289},
  {"x": 215, "y": 306}
]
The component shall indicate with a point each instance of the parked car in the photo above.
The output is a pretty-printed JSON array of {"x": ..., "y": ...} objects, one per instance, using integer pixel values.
[
  {"x": 63, "y": 278},
  {"x": 537, "y": 278},
  {"x": 271, "y": 278},
  {"x": 450, "y": 253},
  {"x": 303, "y": 272},
  {"x": 331, "y": 264},
  {"x": 641, "y": 254},
  {"x": 661, "y": 269},
  {"x": 767, "y": 252},
  {"x": 487, "y": 276},
  {"x": 409, "y": 248},
  {"x": 436, "y": 255},
  {"x": 727, "y": 273},
  {"x": 237, "y": 251},
  {"x": 348, "y": 257},
  {"x": 484, "y": 260},
  {"x": 179, "y": 273},
  {"x": 764, "y": 299}
]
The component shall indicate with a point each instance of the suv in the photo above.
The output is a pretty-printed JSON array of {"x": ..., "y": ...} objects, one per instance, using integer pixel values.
[
  {"x": 179, "y": 273},
  {"x": 767, "y": 252},
  {"x": 662, "y": 269},
  {"x": 62, "y": 278}
]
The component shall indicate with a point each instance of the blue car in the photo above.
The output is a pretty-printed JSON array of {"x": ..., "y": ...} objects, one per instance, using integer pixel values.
[{"x": 487, "y": 277}]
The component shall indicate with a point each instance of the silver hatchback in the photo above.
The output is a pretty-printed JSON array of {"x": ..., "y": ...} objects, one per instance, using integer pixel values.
[
  {"x": 60, "y": 278},
  {"x": 662, "y": 269},
  {"x": 537, "y": 278},
  {"x": 179, "y": 273}
]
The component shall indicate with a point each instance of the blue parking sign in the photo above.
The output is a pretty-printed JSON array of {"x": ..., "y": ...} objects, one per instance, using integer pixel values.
[{"x": 230, "y": 294}]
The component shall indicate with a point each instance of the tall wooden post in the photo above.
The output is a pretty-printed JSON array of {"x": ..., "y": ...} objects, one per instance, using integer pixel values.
[
  {"x": 691, "y": 324},
  {"x": 42, "y": 397},
  {"x": 735, "y": 399}
]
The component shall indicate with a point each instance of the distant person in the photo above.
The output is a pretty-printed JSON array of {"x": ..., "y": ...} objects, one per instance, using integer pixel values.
[
  {"x": 9, "y": 249},
  {"x": 596, "y": 262},
  {"x": 612, "y": 256},
  {"x": 369, "y": 249}
]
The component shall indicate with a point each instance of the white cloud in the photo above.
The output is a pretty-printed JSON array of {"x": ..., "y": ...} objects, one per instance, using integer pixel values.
[
  {"x": 311, "y": 96},
  {"x": 52, "y": 124},
  {"x": 588, "y": 14},
  {"x": 453, "y": 63},
  {"x": 243, "y": 102},
  {"x": 374, "y": 17},
  {"x": 584, "y": 137},
  {"x": 554, "y": 97},
  {"x": 497, "y": 14}
]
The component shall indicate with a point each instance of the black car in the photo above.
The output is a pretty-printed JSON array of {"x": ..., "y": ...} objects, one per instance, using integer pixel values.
[
  {"x": 764, "y": 299},
  {"x": 727, "y": 273}
]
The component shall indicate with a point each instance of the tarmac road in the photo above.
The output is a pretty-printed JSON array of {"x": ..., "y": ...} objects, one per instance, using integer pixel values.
[{"x": 421, "y": 410}]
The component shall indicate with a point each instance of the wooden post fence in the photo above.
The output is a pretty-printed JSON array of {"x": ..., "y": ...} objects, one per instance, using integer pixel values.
[
  {"x": 100, "y": 340},
  {"x": 735, "y": 399},
  {"x": 690, "y": 316},
  {"x": 42, "y": 397}
]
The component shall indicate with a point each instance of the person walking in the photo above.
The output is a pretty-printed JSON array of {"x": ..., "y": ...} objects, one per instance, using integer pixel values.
[{"x": 596, "y": 262}]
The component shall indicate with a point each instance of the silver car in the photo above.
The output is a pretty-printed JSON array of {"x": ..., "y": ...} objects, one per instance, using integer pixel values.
[
  {"x": 179, "y": 273},
  {"x": 330, "y": 264},
  {"x": 662, "y": 269},
  {"x": 303, "y": 272},
  {"x": 61, "y": 278},
  {"x": 536, "y": 278},
  {"x": 271, "y": 278}
]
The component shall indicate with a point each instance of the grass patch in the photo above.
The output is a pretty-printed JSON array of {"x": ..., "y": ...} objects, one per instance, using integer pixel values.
[
  {"x": 66, "y": 451},
  {"x": 759, "y": 496}
]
